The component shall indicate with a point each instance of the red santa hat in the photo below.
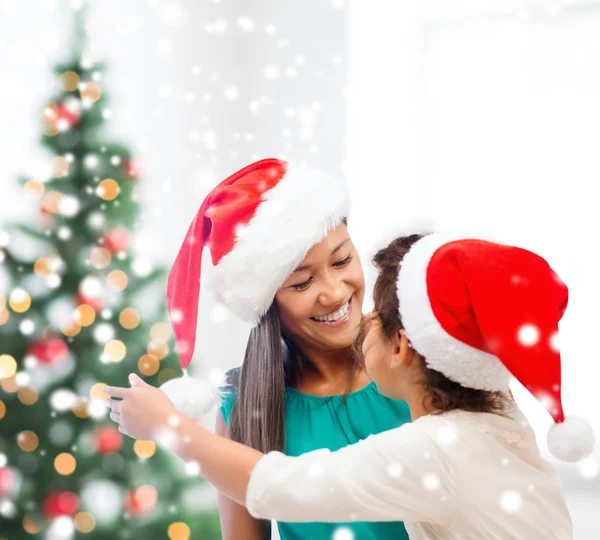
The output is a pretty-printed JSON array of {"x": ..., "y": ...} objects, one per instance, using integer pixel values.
[
  {"x": 480, "y": 313},
  {"x": 258, "y": 225}
]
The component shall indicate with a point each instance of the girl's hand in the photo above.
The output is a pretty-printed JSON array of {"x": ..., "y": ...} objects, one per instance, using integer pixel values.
[{"x": 143, "y": 410}]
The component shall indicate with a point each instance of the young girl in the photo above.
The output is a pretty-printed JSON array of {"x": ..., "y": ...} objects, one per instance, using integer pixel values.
[
  {"x": 284, "y": 261},
  {"x": 454, "y": 318}
]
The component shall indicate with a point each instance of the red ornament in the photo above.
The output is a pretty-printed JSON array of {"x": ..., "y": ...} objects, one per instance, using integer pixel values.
[
  {"x": 8, "y": 481},
  {"x": 96, "y": 303},
  {"x": 60, "y": 503},
  {"x": 140, "y": 502},
  {"x": 49, "y": 351},
  {"x": 108, "y": 440},
  {"x": 131, "y": 168},
  {"x": 69, "y": 112},
  {"x": 117, "y": 240}
]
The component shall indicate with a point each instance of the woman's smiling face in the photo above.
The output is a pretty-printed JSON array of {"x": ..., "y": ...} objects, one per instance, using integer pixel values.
[{"x": 320, "y": 304}]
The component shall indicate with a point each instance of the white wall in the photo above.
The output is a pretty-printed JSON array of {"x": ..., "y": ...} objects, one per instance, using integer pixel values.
[{"x": 474, "y": 119}]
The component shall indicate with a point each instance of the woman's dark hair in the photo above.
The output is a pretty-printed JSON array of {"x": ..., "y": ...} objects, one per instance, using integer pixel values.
[
  {"x": 272, "y": 362},
  {"x": 445, "y": 394}
]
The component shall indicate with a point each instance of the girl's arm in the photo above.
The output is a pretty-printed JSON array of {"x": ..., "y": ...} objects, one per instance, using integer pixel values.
[
  {"x": 236, "y": 522},
  {"x": 398, "y": 475}
]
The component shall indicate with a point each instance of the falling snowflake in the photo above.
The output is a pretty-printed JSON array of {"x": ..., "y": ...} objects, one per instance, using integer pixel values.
[
  {"x": 246, "y": 24},
  {"x": 53, "y": 281},
  {"x": 172, "y": 14},
  {"x": 315, "y": 470},
  {"x": 192, "y": 468},
  {"x": 271, "y": 72},
  {"x": 447, "y": 435},
  {"x": 91, "y": 161},
  {"x": 588, "y": 468},
  {"x": 69, "y": 206},
  {"x": 219, "y": 314},
  {"x": 142, "y": 267},
  {"x": 96, "y": 220},
  {"x": 232, "y": 93},
  {"x": 528, "y": 335},
  {"x": 62, "y": 400},
  {"x": 8, "y": 509},
  {"x": 164, "y": 90},
  {"x": 64, "y": 233},
  {"x": 219, "y": 27},
  {"x": 97, "y": 410},
  {"x": 22, "y": 378},
  {"x": 103, "y": 333},
  {"x": 165, "y": 47},
  {"x": 511, "y": 501},
  {"x": 27, "y": 327},
  {"x": 343, "y": 533},
  {"x": 555, "y": 342},
  {"x": 431, "y": 482},
  {"x": 395, "y": 470},
  {"x": 91, "y": 287}
]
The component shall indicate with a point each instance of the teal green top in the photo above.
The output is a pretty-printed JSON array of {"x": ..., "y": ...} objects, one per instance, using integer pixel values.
[{"x": 313, "y": 422}]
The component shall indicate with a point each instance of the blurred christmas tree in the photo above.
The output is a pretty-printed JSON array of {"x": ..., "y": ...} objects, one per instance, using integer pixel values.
[{"x": 70, "y": 322}]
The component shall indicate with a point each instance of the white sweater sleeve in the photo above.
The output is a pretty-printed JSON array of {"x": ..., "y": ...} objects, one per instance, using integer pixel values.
[{"x": 398, "y": 475}]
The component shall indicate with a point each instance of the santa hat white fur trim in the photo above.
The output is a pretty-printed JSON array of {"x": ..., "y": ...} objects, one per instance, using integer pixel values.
[
  {"x": 293, "y": 216},
  {"x": 192, "y": 397},
  {"x": 458, "y": 361}
]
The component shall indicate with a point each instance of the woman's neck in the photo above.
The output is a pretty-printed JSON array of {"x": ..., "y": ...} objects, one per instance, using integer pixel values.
[{"x": 326, "y": 373}]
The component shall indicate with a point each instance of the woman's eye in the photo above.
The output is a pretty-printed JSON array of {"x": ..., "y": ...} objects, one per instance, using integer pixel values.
[
  {"x": 302, "y": 286},
  {"x": 343, "y": 262}
]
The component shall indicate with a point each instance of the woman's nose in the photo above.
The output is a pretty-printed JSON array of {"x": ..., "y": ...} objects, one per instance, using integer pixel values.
[{"x": 333, "y": 293}]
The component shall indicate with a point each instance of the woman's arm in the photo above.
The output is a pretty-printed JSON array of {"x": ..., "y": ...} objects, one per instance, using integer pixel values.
[{"x": 236, "y": 522}]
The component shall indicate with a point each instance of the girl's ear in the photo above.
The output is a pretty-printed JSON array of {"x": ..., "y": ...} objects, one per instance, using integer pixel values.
[{"x": 402, "y": 354}]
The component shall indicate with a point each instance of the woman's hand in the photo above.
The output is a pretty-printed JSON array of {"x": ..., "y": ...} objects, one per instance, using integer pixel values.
[{"x": 143, "y": 410}]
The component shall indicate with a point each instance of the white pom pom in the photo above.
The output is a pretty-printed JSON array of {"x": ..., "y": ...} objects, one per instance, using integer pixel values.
[
  {"x": 571, "y": 440},
  {"x": 192, "y": 397}
]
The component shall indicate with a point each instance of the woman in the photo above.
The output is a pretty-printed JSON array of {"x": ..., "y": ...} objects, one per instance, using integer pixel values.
[
  {"x": 285, "y": 262},
  {"x": 468, "y": 466}
]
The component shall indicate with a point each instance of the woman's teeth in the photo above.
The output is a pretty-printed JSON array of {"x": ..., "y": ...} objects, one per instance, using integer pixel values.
[{"x": 336, "y": 315}]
